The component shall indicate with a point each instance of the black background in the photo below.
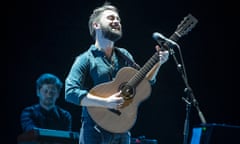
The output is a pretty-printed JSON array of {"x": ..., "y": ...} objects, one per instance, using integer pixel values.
[{"x": 46, "y": 35}]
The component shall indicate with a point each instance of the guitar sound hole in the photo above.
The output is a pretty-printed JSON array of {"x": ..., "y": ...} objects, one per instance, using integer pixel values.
[{"x": 128, "y": 91}]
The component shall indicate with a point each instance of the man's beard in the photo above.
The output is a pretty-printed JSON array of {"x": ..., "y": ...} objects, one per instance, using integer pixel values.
[{"x": 110, "y": 34}]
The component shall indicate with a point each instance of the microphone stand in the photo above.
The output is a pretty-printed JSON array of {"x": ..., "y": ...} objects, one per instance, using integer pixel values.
[{"x": 190, "y": 99}]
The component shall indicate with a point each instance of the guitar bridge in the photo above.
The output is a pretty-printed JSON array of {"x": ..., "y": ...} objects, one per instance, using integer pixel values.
[{"x": 115, "y": 111}]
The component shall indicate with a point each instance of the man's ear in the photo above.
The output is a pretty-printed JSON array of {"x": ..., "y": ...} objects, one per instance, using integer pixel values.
[
  {"x": 38, "y": 93},
  {"x": 96, "y": 25}
]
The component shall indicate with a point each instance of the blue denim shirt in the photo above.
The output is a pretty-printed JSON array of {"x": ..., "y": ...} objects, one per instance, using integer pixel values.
[{"x": 90, "y": 69}]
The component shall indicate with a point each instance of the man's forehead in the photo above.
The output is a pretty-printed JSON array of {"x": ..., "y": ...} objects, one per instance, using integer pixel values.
[
  {"x": 47, "y": 86},
  {"x": 110, "y": 12}
]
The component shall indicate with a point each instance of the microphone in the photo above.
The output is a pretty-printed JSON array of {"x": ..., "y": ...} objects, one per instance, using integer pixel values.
[{"x": 162, "y": 39}]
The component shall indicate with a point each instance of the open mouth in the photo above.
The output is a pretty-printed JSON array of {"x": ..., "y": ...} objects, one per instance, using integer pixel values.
[{"x": 115, "y": 27}]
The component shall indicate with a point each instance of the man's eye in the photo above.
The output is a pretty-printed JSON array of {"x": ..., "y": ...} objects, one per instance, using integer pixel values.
[
  {"x": 110, "y": 17},
  {"x": 50, "y": 91},
  {"x": 113, "y": 18}
]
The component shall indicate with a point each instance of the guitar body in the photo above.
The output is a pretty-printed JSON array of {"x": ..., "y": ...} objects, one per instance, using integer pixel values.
[
  {"x": 122, "y": 120},
  {"x": 134, "y": 87}
]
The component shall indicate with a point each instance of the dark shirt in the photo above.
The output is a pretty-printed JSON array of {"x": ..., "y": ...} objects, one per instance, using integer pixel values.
[
  {"x": 37, "y": 117},
  {"x": 90, "y": 69}
]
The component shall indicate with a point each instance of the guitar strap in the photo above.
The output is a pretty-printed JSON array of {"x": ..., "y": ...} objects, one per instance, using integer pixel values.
[{"x": 128, "y": 60}]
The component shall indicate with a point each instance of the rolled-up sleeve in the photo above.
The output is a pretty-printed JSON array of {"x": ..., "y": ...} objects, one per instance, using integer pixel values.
[{"x": 74, "y": 82}]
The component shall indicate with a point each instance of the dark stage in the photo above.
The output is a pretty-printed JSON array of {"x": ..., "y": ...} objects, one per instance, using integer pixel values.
[{"x": 47, "y": 35}]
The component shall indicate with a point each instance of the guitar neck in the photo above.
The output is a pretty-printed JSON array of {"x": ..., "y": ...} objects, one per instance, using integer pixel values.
[{"x": 140, "y": 75}]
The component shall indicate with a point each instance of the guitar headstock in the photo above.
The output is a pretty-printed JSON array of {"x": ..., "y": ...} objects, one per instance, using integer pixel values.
[{"x": 186, "y": 25}]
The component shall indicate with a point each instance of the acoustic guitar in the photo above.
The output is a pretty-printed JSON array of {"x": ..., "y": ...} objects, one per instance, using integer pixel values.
[{"x": 134, "y": 87}]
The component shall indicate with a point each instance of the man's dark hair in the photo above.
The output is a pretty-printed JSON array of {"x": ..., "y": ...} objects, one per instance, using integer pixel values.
[
  {"x": 48, "y": 78},
  {"x": 95, "y": 16}
]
